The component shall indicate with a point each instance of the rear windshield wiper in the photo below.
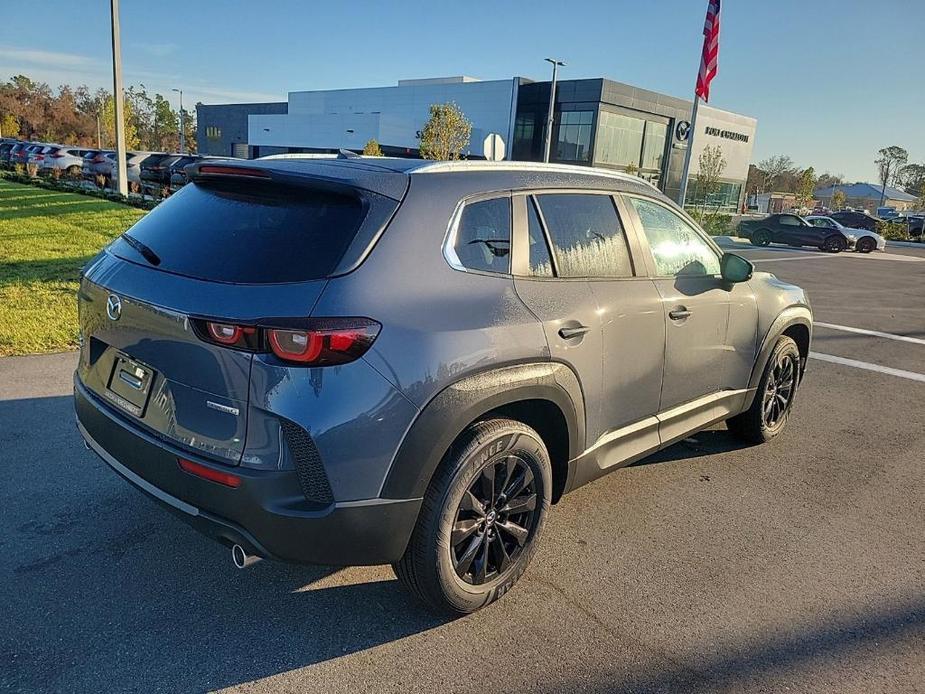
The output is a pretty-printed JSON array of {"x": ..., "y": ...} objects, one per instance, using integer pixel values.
[
  {"x": 495, "y": 246},
  {"x": 146, "y": 252}
]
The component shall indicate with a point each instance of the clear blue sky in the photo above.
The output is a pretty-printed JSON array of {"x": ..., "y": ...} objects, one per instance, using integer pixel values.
[{"x": 830, "y": 82}]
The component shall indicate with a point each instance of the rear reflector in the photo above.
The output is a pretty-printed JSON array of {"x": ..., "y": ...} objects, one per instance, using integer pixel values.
[{"x": 208, "y": 473}]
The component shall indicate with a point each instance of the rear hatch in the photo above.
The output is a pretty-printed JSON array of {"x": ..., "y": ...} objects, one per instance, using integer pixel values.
[{"x": 230, "y": 251}]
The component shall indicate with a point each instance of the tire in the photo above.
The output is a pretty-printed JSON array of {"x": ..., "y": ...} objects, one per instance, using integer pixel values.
[
  {"x": 460, "y": 578},
  {"x": 754, "y": 425},
  {"x": 834, "y": 244},
  {"x": 762, "y": 237},
  {"x": 865, "y": 245}
]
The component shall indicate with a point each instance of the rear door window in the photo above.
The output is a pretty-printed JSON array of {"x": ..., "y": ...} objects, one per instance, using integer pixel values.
[
  {"x": 254, "y": 234},
  {"x": 587, "y": 236},
  {"x": 483, "y": 236}
]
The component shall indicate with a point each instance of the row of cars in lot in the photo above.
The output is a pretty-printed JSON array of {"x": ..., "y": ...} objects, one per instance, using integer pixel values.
[
  {"x": 149, "y": 172},
  {"x": 824, "y": 232}
]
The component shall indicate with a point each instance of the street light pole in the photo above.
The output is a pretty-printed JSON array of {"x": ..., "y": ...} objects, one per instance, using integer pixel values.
[
  {"x": 182, "y": 129},
  {"x": 118, "y": 110},
  {"x": 552, "y": 105}
]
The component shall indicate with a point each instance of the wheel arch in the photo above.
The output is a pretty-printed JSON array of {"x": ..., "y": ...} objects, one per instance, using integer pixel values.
[
  {"x": 795, "y": 322},
  {"x": 545, "y": 395}
]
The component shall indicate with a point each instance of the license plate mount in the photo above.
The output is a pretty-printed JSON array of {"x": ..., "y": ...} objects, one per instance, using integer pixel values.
[{"x": 129, "y": 385}]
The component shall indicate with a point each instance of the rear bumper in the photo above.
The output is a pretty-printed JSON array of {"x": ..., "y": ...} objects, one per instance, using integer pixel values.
[{"x": 266, "y": 514}]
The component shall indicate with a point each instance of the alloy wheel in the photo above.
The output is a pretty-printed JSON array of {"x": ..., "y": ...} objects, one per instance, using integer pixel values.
[
  {"x": 495, "y": 520},
  {"x": 778, "y": 394}
]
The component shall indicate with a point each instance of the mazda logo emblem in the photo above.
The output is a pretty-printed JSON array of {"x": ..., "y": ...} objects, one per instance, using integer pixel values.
[
  {"x": 682, "y": 130},
  {"x": 113, "y": 307}
]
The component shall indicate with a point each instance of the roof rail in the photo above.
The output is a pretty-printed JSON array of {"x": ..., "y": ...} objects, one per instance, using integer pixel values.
[{"x": 478, "y": 165}]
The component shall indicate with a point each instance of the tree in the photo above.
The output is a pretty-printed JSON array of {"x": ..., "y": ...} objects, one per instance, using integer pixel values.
[
  {"x": 890, "y": 161},
  {"x": 446, "y": 134},
  {"x": 911, "y": 177},
  {"x": 372, "y": 148},
  {"x": 838, "y": 199},
  {"x": 108, "y": 119},
  {"x": 632, "y": 169},
  {"x": 9, "y": 126},
  {"x": 774, "y": 169},
  {"x": 711, "y": 164},
  {"x": 806, "y": 186},
  {"x": 828, "y": 180}
]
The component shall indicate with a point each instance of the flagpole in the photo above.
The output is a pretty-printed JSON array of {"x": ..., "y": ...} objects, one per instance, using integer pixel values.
[{"x": 682, "y": 195}]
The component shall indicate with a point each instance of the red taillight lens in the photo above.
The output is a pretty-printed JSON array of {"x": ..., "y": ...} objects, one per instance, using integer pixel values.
[
  {"x": 313, "y": 342},
  {"x": 332, "y": 342},
  {"x": 208, "y": 473},
  {"x": 57, "y": 156}
]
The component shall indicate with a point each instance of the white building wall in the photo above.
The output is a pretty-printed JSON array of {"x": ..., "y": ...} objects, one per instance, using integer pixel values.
[
  {"x": 737, "y": 153},
  {"x": 392, "y": 115}
]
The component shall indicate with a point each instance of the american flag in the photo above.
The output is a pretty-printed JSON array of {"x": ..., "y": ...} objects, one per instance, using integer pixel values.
[{"x": 710, "y": 59}]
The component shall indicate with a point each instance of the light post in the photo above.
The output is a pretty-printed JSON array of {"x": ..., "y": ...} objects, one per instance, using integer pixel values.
[
  {"x": 182, "y": 129},
  {"x": 552, "y": 105},
  {"x": 118, "y": 110}
]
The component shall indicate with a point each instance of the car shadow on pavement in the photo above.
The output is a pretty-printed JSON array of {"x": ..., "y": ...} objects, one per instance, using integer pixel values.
[
  {"x": 107, "y": 591},
  {"x": 703, "y": 443}
]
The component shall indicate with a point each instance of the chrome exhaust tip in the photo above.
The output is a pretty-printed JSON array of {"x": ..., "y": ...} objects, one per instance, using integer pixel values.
[{"x": 241, "y": 558}]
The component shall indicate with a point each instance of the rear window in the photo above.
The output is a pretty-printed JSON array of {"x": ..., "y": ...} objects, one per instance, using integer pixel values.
[{"x": 255, "y": 234}]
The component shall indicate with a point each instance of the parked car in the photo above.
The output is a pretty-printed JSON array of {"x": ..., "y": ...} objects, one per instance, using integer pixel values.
[
  {"x": 155, "y": 170},
  {"x": 15, "y": 155},
  {"x": 302, "y": 384},
  {"x": 860, "y": 240},
  {"x": 5, "y": 150},
  {"x": 793, "y": 231},
  {"x": 855, "y": 220},
  {"x": 887, "y": 212},
  {"x": 97, "y": 163},
  {"x": 35, "y": 154},
  {"x": 178, "y": 169},
  {"x": 133, "y": 161},
  {"x": 65, "y": 159}
]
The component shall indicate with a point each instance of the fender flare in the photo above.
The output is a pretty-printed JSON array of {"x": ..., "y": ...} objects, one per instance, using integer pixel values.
[
  {"x": 794, "y": 315},
  {"x": 449, "y": 412}
]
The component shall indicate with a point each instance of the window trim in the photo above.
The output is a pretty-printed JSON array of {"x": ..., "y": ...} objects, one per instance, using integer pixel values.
[
  {"x": 452, "y": 231},
  {"x": 640, "y": 233}
]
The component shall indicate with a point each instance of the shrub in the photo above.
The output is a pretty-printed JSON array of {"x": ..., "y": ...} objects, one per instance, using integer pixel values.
[
  {"x": 894, "y": 231},
  {"x": 714, "y": 223},
  {"x": 32, "y": 170}
]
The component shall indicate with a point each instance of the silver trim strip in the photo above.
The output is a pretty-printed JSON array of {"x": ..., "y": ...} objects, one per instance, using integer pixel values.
[{"x": 135, "y": 479}]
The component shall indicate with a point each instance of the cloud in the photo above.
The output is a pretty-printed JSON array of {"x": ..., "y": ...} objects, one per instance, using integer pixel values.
[
  {"x": 49, "y": 58},
  {"x": 157, "y": 50}
]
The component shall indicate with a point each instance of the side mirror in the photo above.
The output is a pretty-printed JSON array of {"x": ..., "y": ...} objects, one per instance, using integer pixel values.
[{"x": 735, "y": 268}]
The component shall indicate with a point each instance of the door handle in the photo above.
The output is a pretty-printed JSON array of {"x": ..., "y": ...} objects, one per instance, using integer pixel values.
[
  {"x": 569, "y": 333},
  {"x": 679, "y": 313}
]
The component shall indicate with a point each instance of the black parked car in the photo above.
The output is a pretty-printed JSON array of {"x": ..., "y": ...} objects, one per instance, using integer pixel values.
[
  {"x": 792, "y": 230},
  {"x": 855, "y": 220},
  {"x": 155, "y": 170},
  {"x": 911, "y": 224}
]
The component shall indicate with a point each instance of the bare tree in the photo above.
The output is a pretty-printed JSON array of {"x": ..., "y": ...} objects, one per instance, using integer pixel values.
[
  {"x": 775, "y": 167},
  {"x": 711, "y": 164},
  {"x": 446, "y": 134}
]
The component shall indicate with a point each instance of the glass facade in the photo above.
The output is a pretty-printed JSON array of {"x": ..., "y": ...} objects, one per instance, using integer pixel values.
[
  {"x": 724, "y": 197},
  {"x": 619, "y": 139},
  {"x": 573, "y": 139},
  {"x": 653, "y": 148}
]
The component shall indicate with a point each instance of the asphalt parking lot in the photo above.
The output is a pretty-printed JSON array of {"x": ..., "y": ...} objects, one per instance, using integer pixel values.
[{"x": 797, "y": 566}]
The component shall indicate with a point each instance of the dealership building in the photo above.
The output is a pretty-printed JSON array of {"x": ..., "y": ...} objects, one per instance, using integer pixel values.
[{"x": 598, "y": 122}]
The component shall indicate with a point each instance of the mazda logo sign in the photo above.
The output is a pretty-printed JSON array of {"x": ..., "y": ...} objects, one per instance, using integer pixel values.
[
  {"x": 682, "y": 130},
  {"x": 113, "y": 307}
]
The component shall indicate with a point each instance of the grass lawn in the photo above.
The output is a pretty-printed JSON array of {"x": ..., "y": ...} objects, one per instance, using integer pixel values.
[{"x": 45, "y": 238}]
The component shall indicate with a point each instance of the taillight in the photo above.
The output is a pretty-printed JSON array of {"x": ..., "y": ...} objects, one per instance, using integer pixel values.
[
  {"x": 57, "y": 156},
  {"x": 208, "y": 473},
  {"x": 312, "y": 342}
]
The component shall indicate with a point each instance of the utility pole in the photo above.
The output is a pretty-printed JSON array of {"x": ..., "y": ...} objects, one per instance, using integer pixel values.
[
  {"x": 118, "y": 106},
  {"x": 552, "y": 106},
  {"x": 182, "y": 124}
]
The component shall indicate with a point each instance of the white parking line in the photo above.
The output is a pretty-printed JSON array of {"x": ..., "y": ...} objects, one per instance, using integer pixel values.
[
  {"x": 872, "y": 333},
  {"x": 902, "y": 373},
  {"x": 793, "y": 257}
]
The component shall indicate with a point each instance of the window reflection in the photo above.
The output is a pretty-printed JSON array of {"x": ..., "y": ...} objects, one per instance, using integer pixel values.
[
  {"x": 574, "y": 136},
  {"x": 677, "y": 248}
]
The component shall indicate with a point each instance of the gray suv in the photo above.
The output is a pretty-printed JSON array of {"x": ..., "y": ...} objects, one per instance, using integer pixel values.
[{"x": 368, "y": 361}]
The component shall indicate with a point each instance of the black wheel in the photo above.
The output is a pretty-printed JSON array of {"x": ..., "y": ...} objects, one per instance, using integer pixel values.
[
  {"x": 481, "y": 518},
  {"x": 834, "y": 244},
  {"x": 770, "y": 409},
  {"x": 865, "y": 245},
  {"x": 762, "y": 237}
]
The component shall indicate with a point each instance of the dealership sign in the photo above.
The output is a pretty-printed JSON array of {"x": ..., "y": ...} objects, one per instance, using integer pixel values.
[{"x": 728, "y": 134}]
